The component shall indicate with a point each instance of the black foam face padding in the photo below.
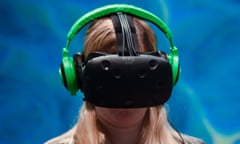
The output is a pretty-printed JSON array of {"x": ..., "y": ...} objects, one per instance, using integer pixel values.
[{"x": 127, "y": 81}]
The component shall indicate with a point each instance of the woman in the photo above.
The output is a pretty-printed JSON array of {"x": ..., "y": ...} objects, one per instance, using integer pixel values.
[{"x": 100, "y": 125}]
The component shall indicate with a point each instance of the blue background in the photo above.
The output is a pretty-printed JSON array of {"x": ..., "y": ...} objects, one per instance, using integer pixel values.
[{"x": 34, "y": 105}]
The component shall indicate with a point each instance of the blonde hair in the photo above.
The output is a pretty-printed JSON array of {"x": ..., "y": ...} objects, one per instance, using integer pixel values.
[
  {"x": 101, "y": 37},
  {"x": 155, "y": 130},
  {"x": 155, "y": 127}
]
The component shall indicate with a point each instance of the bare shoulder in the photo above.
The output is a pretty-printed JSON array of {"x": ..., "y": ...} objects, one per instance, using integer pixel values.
[
  {"x": 192, "y": 140},
  {"x": 66, "y": 138},
  {"x": 60, "y": 140}
]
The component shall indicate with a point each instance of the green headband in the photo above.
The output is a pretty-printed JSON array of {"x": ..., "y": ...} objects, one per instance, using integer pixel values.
[{"x": 110, "y": 9}]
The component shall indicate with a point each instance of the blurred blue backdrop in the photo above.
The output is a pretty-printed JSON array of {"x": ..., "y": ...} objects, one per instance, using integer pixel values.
[{"x": 34, "y": 105}]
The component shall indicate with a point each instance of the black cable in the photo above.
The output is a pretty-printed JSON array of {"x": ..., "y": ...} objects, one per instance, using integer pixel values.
[{"x": 127, "y": 32}]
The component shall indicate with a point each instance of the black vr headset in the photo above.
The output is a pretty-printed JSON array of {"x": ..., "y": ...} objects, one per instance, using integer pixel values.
[{"x": 128, "y": 79}]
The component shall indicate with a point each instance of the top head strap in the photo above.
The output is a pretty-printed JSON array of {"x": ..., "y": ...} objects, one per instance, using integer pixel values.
[{"x": 126, "y": 37}]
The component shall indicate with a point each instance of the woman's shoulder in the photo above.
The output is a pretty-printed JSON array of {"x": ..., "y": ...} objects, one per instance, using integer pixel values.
[
  {"x": 192, "y": 140},
  {"x": 66, "y": 138},
  {"x": 60, "y": 140}
]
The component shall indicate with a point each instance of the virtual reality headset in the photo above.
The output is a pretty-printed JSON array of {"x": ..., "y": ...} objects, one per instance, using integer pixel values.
[{"x": 126, "y": 81}]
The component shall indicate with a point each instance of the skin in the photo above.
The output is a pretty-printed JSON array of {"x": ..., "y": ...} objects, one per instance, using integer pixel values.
[{"x": 122, "y": 125}]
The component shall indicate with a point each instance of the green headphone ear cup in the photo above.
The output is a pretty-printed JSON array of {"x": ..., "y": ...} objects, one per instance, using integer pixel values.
[
  {"x": 62, "y": 75},
  {"x": 174, "y": 61},
  {"x": 68, "y": 75},
  {"x": 178, "y": 74}
]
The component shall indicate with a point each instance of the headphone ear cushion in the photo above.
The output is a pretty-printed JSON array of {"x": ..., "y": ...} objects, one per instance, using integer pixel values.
[
  {"x": 68, "y": 75},
  {"x": 173, "y": 60},
  {"x": 79, "y": 62}
]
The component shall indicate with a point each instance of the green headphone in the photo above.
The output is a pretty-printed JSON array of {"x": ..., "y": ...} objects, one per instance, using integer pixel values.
[{"x": 68, "y": 70}]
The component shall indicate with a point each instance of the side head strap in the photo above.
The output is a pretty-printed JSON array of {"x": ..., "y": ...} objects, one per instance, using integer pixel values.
[{"x": 126, "y": 37}]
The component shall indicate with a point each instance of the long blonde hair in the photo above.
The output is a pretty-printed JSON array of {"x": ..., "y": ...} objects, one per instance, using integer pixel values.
[{"x": 156, "y": 129}]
